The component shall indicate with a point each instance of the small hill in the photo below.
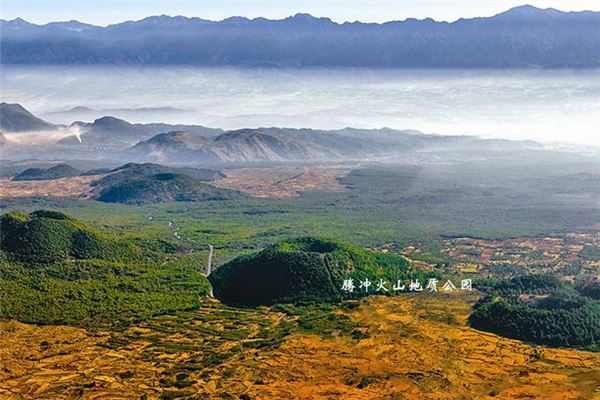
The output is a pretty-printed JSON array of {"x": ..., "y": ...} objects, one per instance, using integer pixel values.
[
  {"x": 50, "y": 236},
  {"x": 15, "y": 118},
  {"x": 304, "y": 269},
  {"x": 55, "y": 269},
  {"x": 131, "y": 170},
  {"x": 42, "y": 174},
  {"x": 134, "y": 170},
  {"x": 161, "y": 188}
]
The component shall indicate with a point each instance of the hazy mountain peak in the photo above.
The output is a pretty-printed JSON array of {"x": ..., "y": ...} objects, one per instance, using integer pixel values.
[
  {"x": 529, "y": 11},
  {"x": 525, "y": 8},
  {"x": 109, "y": 123},
  {"x": 109, "y": 120},
  {"x": 72, "y": 25},
  {"x": 167, "y": 21},
  {"x": 81, "y": 108},
  {"x": 17, "y": 23},
  {"x": 173, "y": 137},
  {"x": 305, "y": 18},
  {"x": 236, "y": 19},
  {"x": 15, "y": 118},
  {"x": 13, "y": 106}
]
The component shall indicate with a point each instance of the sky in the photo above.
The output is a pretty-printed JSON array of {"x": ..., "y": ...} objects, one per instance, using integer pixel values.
[{"x": 105, "y": 12}]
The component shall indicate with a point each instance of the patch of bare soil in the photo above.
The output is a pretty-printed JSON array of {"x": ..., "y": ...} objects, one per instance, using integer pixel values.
[
  {"x": 413, "y": 347},
  {"x": 78, "y": 186},
  {"x": 284, "y": 181}
]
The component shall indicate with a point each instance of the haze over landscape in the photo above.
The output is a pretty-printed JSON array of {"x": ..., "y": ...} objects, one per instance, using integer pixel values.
[{"x": 543, "y": 105}]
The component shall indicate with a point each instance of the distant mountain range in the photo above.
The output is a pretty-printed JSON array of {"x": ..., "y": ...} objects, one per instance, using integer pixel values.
[
  {"x": 111, "y": 132},
  {"x": 240, "y": 145},
  {"x": 520, "y": 37},
  {"x": 113, "y": 138},
  {"x": 82, "y": 113}
]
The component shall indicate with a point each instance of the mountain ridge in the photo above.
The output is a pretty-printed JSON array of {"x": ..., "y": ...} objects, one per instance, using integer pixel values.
[
  {"x": 114, "y": 138},
  {"x": 522, "y": 10},
  {"x": 521, "y": 37}
]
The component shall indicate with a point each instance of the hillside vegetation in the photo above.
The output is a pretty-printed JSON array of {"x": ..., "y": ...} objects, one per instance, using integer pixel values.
[
  {"x": 56, "y": 269},
  {"x": 50, "y": 236},
  {"x": 540, "y": 309}
]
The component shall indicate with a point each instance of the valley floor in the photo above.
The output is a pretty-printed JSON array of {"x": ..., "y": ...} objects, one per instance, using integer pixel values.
[
  {"x": 407, "y": 347},
  {"x": 75, "y": 187},
  {"x": 285, "y": 181}
]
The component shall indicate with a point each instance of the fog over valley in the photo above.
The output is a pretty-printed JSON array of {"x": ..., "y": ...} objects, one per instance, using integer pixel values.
[{"x": 542, "y": 105}]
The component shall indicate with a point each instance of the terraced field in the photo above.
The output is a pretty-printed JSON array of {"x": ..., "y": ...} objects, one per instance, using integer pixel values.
[
  {"x": 166, "y": 357},
  {"x": 407, "y": 347}
]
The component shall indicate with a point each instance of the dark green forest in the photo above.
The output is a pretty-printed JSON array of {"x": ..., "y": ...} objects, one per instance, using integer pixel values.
[{"x": 540, "y": 309}]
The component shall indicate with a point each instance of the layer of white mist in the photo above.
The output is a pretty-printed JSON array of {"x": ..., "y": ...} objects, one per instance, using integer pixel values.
[{"x": 544, "y": 105}]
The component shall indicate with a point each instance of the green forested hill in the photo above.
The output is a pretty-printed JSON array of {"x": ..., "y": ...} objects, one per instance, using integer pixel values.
[
  {"x": 55, "y": 172},
  {"x": 56, "y": 269},
  {"x": 161, "y": 188},
  {"x": 51, "y": 236},
  {"x": 305, "y": 269}
]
